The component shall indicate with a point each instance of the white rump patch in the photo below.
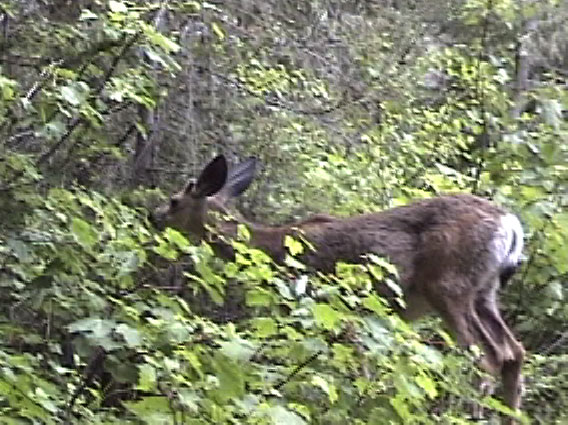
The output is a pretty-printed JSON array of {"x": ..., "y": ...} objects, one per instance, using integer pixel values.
[{"x": 508, "y": 242}]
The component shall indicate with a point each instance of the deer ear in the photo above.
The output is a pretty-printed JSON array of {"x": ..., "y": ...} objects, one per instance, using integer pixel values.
[
  {"x": 212, "y": 178},
  {"x": 240, "y": 178}
]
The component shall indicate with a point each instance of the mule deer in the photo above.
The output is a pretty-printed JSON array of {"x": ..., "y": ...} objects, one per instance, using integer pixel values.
[{"x": 452, "y": 252}]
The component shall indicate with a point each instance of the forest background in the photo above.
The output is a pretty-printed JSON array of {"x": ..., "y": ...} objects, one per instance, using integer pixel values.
[{"x": 106, "y": 107}]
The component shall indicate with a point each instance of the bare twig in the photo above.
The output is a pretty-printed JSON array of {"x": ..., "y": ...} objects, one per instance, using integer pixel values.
[{"x": 480, "y": 93}]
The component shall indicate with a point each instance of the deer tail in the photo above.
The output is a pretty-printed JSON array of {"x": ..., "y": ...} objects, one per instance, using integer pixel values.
[{"x": 509, "y": 246}]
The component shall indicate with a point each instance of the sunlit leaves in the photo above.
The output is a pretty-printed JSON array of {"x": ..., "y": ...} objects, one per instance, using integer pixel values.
[
  {"x": 229, "y": 381},
  {"x": 281, "y": 415},
  {"x": 244, "y": 340},
  {"x": 326, "y": 316},
  {"x": 218, "y": 31},
  {"x": 329, "y": 389},
  {"x": 264, "y": 326},
  {"x": 117, "y": 6},
  {"x": 151, "y": 410},
  {"x": 294, "y": 247},
  {"x": 259, "y": 297},
  {"x": 147, "y": 377},
  {"x": 86, "y": 235},
  {"x": 75, "y": 94},
  {"x": 7, "y": 89}
]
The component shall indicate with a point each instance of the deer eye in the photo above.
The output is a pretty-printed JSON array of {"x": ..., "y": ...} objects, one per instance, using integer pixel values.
[
  {"x": 174, "y": 202},
  {"x": 189, "y": 187}
]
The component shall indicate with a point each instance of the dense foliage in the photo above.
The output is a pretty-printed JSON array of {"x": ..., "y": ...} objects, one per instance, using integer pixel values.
[{"x": 350, "y": 106}]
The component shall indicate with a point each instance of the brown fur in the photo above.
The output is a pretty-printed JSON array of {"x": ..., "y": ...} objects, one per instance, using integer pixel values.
[{"x": 442, "y": 248}]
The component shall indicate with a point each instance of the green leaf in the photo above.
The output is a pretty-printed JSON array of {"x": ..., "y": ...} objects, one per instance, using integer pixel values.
[
  {"x": 428, "y": 385},
  {"x": 231, "y": 270},
  {"x": 293, "y": 263},
  {"x": 243, "y": 233},
  {"x": 84, "y": 233},
  {"x": 146, "y": 378},
  {"x": 264, "y": 326},
  {"x": 75, "y": 94},
  {"x": 258, "y": 297},
  {"x": 238, "y": 349},
  {"x": 552, "y": 112},
  {"x": 164, "y": 249},
  {"x": 375, "y": 304},
  {"x": 87, "y": 15},
  {"x": 555, "y": 290},
  {"x": 218, "y": 31},
  {"x": 230, "y": 377},
  {"x": 294, "y": 247},
  {"x": 117, "y": 6},
  {"x": 98, "y": 327},
  {"x": 191, "y": 6},
  {"x": 154, "y": 410},
  {"x": 326, "y": 387},
  {"x": 177, "y": 238},
  {"x": 162, "y": 41},
  {"x": 326, "y": 316},
  {"x": 130, "y": 335},
  {"x": 280, "y": 415}
]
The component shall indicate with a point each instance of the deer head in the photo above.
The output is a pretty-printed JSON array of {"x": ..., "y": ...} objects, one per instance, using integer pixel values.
[
  {"x": 453, "y": 253},
  {"x": 190, "y": 210}
]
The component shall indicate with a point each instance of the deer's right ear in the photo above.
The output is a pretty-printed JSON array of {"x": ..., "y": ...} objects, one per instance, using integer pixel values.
[
  {"x": 240, "y": 178},
  {"x": 212, "y": 178}
]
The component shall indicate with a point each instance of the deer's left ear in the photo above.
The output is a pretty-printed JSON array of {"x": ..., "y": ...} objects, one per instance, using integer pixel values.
[{"x": 211, "y": 180}]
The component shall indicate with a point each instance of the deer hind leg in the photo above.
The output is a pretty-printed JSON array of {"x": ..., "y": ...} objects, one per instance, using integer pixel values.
[
  {"x": 512, "y": 350},
  {"x": 460, "y": 315}
]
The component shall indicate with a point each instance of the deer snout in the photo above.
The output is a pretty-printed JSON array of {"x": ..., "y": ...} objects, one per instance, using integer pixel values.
[
  {"x": 157, "y": 219},
  {"x": 152, "y": 219}
]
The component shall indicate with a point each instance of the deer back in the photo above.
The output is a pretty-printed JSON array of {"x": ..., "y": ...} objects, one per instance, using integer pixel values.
[{"x": 459, "y": 234}]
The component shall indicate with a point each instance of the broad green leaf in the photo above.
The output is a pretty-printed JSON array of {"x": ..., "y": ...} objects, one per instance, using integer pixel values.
[
  {"x": 162, "y": 41},
  {"x": 130, "y": 335},
  {"x": 117, "y": 6},
  {"x": 258, "y": 297},
  {"x": 146, "y": 378},
  {"x": 85, "y": 234},
  {"x": 326, "y": 317},
  {"x": 428, "y": 385},
  {"x": 326, "y": 387},
  {"x": 87, "y": 15},
  {"x": 154, "y": 410},
  {"x": 279, "y": 415},
  {"x": 238, "y": 349},
  {"x": 375, "y": 304},
  {"x": 230, "y": 377},
  {"x": 294, "y": 247},
  {"x": 243, "y": 233},
  {"x": 264, "y": 326},
  {"x": 293, "y": 263},
  {"x": 177, "y": 238},
  {"x": 98, "y": 327},
  {"x": 75, "y": 94}
]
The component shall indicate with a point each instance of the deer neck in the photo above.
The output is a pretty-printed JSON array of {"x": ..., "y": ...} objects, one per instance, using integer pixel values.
[{"x": 267, "y": 238}]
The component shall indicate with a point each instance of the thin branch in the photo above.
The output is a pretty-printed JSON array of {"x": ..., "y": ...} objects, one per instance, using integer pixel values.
[
  {"x": 11, "y": 119},
  {"x": 77, "y": 121},
  {"x": 93, "y": 367},
  {"x": 480, "y": 93},
  {"x": 271, "y": 101},
  {"x": 298, "y": 369}
]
